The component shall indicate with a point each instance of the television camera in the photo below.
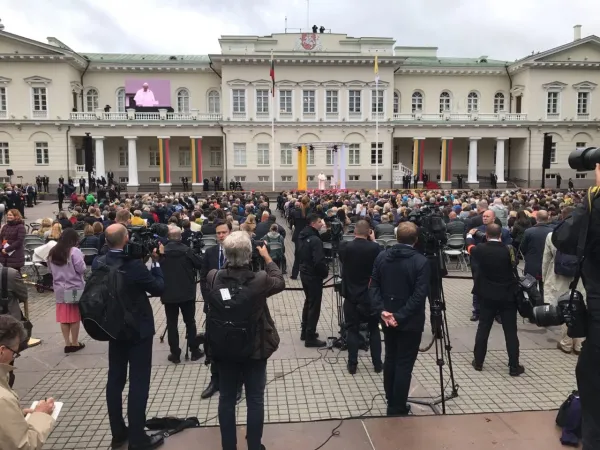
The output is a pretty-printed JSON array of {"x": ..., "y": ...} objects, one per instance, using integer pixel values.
[{"x": 143, "y": 241}]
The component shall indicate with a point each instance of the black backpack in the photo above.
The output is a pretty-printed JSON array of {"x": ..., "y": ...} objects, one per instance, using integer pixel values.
[
  {"x": 102, "y": 305},
  {"x": 565, "y": 265},
  {"x": 233, "y": 319}
]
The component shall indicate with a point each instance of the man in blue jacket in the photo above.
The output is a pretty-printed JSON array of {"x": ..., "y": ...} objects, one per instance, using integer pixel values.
[
  {"x": 398, "y": 289},
  {"x": 134, "y": 348}
]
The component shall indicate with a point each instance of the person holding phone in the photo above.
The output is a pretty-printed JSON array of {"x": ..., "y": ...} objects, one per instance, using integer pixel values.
[{"x": 15, "y": 431}]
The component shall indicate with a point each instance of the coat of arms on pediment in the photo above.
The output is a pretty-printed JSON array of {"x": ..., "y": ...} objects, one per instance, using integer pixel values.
[{"x": 308, "y": 42}]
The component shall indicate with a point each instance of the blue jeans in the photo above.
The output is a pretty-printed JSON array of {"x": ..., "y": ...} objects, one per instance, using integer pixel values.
[{"x": 254, "y": 373}]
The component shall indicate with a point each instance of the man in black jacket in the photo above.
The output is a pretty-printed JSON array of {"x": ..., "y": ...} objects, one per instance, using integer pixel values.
[
  {"x": 533, "y": 245},
  {"x": 180, "y": 265},
  {"x": 214, "y": 259},
  {"x": 134, "y": 350},
  {"x": 357, "y": 258},
  {"x": 313, "y": 270},
  {"x": 495, "y": 285},
  {"x": 398, "y": 289}
]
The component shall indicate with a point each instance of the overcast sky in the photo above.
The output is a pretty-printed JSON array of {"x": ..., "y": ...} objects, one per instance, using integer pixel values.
[{"x": 505, "y": 29}]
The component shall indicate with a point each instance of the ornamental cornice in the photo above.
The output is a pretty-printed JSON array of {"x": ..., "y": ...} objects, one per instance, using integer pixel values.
[
  {"x": 108, "y": 67},
  {"x": 364, "y": 60},
  {"x": 449, "y": 71}
]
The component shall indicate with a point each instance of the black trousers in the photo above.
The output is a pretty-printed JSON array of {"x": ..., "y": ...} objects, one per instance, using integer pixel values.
[
  {"x": 588, "y": 383},
  {"x": 188, "y": 311},
  {"x": 354, "y": 318},
  {"x": 508, "y": 313},
  {"x": 313, "y": 290},
  {"x": 137, "y": 354},
  {"x": 401, "y": 350},
  {"x": 296, "y": 266},
  {"x": 254, "y": 374}
]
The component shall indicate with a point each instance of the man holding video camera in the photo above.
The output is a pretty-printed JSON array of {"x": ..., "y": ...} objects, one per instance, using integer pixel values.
[{"x": 180, "y": 265}]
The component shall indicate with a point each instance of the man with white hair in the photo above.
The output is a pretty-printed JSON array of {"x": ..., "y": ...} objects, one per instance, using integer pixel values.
[
  {"x": 180, "y": 266},
  {"x": 241, "y": 334},
  {"x": 145, "y": 97}
]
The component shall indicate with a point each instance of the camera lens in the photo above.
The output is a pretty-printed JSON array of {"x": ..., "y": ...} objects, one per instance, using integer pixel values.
[
  {"x": 547, "y": 316},
  {"x": 584, "y": 159}
]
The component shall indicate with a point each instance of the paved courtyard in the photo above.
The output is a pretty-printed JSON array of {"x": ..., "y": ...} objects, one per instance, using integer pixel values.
[{"x": 303, "y": 384}]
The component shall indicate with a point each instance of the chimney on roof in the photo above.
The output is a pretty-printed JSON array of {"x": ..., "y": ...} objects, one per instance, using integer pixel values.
[{"x": 577, "y": 32}]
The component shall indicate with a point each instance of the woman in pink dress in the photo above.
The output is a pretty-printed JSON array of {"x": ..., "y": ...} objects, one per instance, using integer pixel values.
[{"x": 66, "y": 262}]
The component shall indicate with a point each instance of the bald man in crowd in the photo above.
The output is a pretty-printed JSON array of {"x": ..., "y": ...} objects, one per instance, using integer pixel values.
[{"x": 532, "y": 247}]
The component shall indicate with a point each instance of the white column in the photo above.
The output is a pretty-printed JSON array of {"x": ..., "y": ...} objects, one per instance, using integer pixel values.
[
  {"x": 472, "y": 176},
  {"x": 100, "y": 168},
  {"x": 500, "y": 159},
  {"x": 133, "y": 168}
]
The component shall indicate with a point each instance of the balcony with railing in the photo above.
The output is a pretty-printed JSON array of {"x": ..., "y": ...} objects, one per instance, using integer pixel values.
[
  {"x": 354, "y": 115},
  {"x": 462, "y": 117},
  {"x": 39, "y": 114},
  {"x": 144, "y": 116},
  {"x": 263, "y": 115},
  {"x": 3, "y": 114}
]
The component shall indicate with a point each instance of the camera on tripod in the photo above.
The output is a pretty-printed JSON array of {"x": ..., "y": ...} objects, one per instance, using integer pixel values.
[
  {"x": 432, "y": 229},
  {"x": 196, "y": 242},
  {"x": 570, "y": 309},
  {"x": 336, "y": 229},
  {"x": 142, "y": 242}
]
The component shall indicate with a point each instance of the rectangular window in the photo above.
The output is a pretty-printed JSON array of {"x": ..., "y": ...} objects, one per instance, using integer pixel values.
[
  {"x": 553, "y": 153},
  {"x": 4, "y": 154},
  {"x": 41, "y": 153},
  {"x": 310, "y": 178},
  {"x": 40, "y": 99},
  {"x": 262, "y": 154},
  {"x": 353, "y": 177},
  {"x": 580, "y": 175},
  {"x": 331, "y": 102},
  {"x": 354, "y": 155},
  {"x": 376, "y": 177},
  {"x": 310, "y": 157},
  {"x": 286, "y": 178},
  {"x": 581, "y": 145},
  {"x": 285, "y": 103},
  {"x": 154, "y": 180},
  {"x": 3, "y": 102},
  {"x": 286, "y": 155},
  {"x": 240, "y": 178},
  {"x": 216, "y": 157},
  {"x": 263, "y": 178},
  {"x": 583, "y": 101},
  {"x": 123, "y": 157},
  {"x": 354, "y": 104},
  {"x": 309, "y": 107},
  {"x": 262, "y": 102},
  {"x": 123, "y": 179},
  {"x": 377, "y": 101},
  {"x": 550, "y": 176},
  {"x": 185, "y": 158},
  {"x": 239, "y": 154},
  {"x": 329, "y": 157},
  {"x": 154, "y": 156},
  {"x": 376, "y": 153},
  {"x": 239, "y": 102},
  {"x": 552, "y": 103}
]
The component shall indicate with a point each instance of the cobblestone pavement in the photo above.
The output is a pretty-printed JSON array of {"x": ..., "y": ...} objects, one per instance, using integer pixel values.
[{"x": 318, "y": 386}]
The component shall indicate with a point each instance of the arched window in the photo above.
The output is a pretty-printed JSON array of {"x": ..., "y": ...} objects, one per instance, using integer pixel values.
[
  {"x": 473, "y": 102},
  {"x": 121, "y": 100},
  {"x": 91, "y": 100},
  {"x": 396, "y": 102},
  {"x": 499, "y": 102},
  {"x": 214, "y": 102},
  {"x": 445, "y": 102},
  {"x": 417, "y": 102},
  {"x": 183, "y": 101}
]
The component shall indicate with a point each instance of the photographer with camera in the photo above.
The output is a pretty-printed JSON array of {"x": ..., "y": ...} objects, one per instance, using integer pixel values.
[
  {"x": 495, "y": 286},
  {"x": 241, "y": 334},
  {"x": 313, "y": 270},
  {"x": 133, "y": 347},
  {"x": 357, "y": 258},
  {"x": 180, "y": 265},
  {"x": 399, "y": 287}
]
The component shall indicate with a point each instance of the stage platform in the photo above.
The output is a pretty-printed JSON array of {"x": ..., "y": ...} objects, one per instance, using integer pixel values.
[{"x": 514, "y": 431}]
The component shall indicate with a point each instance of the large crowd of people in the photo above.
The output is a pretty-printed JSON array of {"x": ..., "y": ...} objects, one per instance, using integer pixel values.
[{"x": 372, "y": 288}]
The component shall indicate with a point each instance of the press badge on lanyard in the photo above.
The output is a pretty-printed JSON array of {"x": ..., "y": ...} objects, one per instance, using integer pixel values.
[{"x": 225, "y": 294}]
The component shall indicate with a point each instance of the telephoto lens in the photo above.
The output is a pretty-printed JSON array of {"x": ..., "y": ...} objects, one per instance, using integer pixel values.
[
  {"x": 547, "y": 316},
  {"x": 584, "y": 159}
]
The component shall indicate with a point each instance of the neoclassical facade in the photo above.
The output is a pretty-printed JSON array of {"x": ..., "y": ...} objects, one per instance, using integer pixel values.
[{"x": 214, "y": 115}]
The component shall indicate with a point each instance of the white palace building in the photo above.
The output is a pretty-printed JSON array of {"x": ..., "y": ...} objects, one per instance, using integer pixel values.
[{"x": 211, "y": 115}]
